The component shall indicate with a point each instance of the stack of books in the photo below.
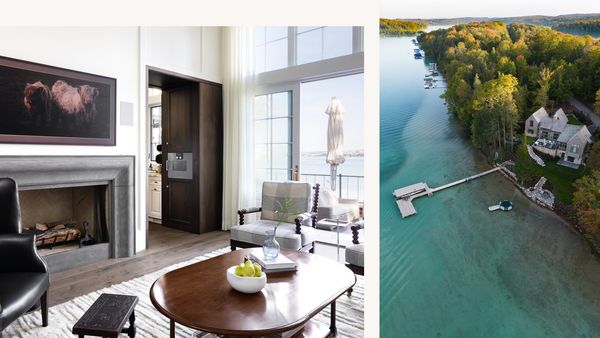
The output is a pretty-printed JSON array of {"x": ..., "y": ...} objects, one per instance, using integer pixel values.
[{"x": 279, "y": 264}]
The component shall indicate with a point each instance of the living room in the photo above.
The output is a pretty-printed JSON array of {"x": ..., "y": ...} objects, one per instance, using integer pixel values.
[{"x": 239, "y": 106}]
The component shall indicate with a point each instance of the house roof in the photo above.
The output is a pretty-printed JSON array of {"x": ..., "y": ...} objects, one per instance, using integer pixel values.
[
  {"x": 556, "y": 123},
  {"x": 540, "y": 114},
  {"x": 573, "y": 133}
]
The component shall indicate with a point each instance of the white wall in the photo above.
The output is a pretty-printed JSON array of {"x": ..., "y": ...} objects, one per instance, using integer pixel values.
[
  {"x": 121, "y": 53},
  {"x": 172, "y": 48}
]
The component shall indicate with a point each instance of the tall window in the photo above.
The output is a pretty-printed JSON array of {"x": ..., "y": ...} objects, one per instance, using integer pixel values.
[
  {"x": 314, "y": 100},
  {"x": 273, "y": 137}
]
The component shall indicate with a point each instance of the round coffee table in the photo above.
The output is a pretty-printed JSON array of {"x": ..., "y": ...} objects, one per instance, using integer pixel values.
[{"x": 199, "y": 296}]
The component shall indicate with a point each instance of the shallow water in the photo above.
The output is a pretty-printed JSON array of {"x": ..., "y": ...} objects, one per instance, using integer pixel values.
[{"x": 455, "y": 269}]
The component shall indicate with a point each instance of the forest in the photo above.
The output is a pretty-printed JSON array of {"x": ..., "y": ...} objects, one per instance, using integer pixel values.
[
  {"x": 591, "y": 27},
  {"x": 498, "y": 74},
  {"x": 394, "y": 27}
]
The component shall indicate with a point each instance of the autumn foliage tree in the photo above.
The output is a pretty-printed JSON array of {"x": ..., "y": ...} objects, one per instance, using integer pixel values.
[
  {"x": 587, "y": 202},
  {"x": 549, "y": 66}
]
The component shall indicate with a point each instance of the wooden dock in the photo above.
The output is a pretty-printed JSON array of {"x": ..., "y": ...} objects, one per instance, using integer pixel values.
[{"x": 405, "y": 196}]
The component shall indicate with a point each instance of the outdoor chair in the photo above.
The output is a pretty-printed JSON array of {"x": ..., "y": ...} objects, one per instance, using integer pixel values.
[
  {"x": 24, "y": 278},
  {"x": 332, "y": 207},
  {"x": 296, "y": 232}
]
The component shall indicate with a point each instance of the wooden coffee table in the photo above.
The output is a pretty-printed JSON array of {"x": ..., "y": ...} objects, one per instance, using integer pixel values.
[{"x": 199, "y": 296}]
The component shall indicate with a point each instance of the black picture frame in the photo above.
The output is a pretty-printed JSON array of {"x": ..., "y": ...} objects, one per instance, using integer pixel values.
[{"x": 42, "y": 104}]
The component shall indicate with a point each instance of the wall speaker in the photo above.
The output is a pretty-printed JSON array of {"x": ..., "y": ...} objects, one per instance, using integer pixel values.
[{"x": 126, "y": 113}]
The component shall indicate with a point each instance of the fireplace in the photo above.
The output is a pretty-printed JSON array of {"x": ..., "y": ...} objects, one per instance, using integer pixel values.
[
  {"x": 71, "y": 190},
  {"x": 65, "y": 218}
]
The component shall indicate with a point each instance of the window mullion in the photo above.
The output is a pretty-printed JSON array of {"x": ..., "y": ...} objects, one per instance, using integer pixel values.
[{"x": 292, "y": 46}]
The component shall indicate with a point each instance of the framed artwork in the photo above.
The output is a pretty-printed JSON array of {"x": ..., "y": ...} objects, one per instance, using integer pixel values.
[{"x": 50, "y": 105}]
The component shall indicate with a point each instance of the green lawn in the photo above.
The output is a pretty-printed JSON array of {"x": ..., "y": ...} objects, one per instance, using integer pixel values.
[{"x": 562, "y": 178}]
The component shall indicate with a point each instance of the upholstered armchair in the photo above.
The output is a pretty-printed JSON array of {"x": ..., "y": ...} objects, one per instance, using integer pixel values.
[
  {"x": 332, "y": 207},
  {"x": 24, "y": 278},
  {"x": 355, "y": 253},
  {"x": 295, "y": 233}
]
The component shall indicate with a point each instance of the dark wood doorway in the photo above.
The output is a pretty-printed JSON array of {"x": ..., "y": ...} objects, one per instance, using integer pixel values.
[{"x": 192, "y": 151}]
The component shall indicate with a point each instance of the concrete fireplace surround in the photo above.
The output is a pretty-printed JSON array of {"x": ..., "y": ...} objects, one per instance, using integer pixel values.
[{"x": 46, "y": 172}]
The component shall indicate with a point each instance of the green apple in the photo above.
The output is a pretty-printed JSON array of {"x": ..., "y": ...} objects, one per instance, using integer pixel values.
[
  {"x": 248, "y": 269},
  {"x": 257, "y": 270}
]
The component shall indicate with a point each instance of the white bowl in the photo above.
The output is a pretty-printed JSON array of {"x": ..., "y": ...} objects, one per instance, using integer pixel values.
[{"x": 246, "y": 284}]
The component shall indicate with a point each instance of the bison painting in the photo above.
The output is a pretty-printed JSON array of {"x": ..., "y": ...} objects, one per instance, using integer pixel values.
[
  {"x": 75, "y": 103},
  {"x": 37, "y": 100},
  {"x": 50, "y": 105}
]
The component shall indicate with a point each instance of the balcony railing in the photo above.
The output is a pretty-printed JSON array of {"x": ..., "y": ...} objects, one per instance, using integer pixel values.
[{"x": 347, "y": 186}]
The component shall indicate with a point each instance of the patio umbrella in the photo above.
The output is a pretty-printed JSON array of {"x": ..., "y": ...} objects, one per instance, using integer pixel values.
[{"x": 335, "y": 137}]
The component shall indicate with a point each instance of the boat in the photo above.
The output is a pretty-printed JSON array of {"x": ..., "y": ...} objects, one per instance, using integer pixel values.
[
  {"x": 504, "y": 205},
  {"x": 418, "y": 55}
]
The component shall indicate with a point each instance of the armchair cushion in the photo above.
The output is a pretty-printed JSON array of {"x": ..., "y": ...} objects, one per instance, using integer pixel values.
[
  {"x": 355, "y": 254},
  {"x": 328, "y": 197},
  {"x": 19, "y": 292},
  {"x": 346, "y": 212},
  {"x": 275, "y": 193},
  {"x": 286, "y": 235}
]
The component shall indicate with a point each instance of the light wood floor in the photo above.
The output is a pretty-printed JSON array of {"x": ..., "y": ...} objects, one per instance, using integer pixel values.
[{"x": 165, "y": 247}]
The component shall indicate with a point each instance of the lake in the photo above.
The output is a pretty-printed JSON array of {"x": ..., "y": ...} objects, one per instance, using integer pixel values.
[
  {"x": 352, "y": 187},
  {"x": 455, "y": 269}
]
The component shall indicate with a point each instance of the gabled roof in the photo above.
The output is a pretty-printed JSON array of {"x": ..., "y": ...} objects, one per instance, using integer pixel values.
[
  {"x": 540, "y": 114},
  {"x": 556, "y": 123},
  {"x": 573, "y": 133}
]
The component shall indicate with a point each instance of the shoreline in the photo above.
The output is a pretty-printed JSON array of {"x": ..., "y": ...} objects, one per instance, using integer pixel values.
[{"x": 573, "y": 227}]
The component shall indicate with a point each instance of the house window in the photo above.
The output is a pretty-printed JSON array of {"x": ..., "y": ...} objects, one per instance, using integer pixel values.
[
  {"x": 555, "y": 136},
  {"x": 155, "y": 131},
  {"x": 272, "y": 137},
  {"x": 316, "y": 96},
  {"x": 320, "y": 43},
  {"x": 575, "y": 148},
  {"x": 562, "y": 146},
  {"x": 271, "y": 48},
  {"x": 531, "y": 123},
  {"x": 282, "y": 47},
  {"x": 530, "y": 131}
]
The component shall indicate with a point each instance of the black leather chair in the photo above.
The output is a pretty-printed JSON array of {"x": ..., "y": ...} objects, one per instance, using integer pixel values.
[{"x": 24, "y": 278}]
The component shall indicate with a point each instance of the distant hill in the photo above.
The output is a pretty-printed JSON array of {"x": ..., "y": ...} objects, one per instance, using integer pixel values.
[
  {"x": 395, "y": 27},
  {"x": 539, "y": 20},
  {"x": 591, "y": 27}
]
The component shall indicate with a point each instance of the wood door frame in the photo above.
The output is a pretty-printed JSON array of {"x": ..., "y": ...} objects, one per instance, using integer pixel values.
[{"x": 167, "y": 79}]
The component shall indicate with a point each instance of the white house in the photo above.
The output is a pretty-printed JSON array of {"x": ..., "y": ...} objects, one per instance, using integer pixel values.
[{"x": 556, "y": 137}]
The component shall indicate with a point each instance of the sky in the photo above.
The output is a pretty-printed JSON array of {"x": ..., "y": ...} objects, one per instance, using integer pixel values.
[
  {"x": 464, "y": 8},
  {"x": 314, "y": 99}
]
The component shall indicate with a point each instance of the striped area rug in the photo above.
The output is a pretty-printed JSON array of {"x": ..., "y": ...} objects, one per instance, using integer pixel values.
[{"x": 150, "y": 323}]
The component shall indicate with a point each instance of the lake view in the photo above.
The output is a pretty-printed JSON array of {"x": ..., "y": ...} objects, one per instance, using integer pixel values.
[{"x": 454, "y": 269}]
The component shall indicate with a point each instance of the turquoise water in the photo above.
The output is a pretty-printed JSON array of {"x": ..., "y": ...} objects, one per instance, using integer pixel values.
[{"x": 455, "y": 269}]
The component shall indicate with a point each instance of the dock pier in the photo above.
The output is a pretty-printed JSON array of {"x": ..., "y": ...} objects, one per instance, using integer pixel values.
[{"x": 404, "y": 196}]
